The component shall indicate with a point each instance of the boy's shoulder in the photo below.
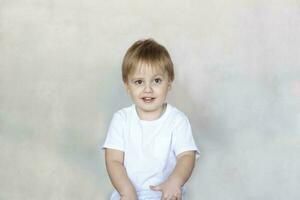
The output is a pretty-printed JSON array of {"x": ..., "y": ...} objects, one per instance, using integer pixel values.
[
  {"x": 178, "y": 115},
  {"x": 124, "y": 113}
]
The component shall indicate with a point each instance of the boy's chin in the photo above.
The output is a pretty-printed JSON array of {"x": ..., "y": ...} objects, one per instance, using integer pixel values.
[{"x": 149, "y": 106}]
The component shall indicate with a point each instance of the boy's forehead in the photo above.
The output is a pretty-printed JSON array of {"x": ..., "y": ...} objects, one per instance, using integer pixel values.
[{"x": 146, "y": 69}]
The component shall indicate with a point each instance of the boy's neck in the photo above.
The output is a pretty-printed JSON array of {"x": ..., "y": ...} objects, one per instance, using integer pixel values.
[{"x": 150, "y": 116}]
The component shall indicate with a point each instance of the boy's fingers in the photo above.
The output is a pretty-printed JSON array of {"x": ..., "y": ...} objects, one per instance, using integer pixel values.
[{"x": 155, "y": 188}]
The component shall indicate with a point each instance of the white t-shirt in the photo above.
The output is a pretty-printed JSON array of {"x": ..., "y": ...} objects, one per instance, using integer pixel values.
[{"x": 150, "y": 147}]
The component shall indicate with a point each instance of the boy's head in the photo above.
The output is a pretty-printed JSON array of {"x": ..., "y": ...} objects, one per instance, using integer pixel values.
[
  {"x": 150, "y": 53},
  {"x": 148, "y": 74}
]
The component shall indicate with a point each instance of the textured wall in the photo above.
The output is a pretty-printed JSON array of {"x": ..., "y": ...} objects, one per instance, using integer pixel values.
[{"x": 237, "y": 78}]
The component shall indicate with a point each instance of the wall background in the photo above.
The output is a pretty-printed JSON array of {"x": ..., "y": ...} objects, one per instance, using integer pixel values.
[{"x": 237, "y": 78}]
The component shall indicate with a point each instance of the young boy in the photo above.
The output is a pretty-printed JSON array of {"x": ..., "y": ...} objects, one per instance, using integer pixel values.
[{"x": 149, "y": 149}]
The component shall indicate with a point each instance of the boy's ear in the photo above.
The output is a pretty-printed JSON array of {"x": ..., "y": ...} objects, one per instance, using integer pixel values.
[
  {"x": 170, "y": 85},
  {"x": 126, "y": 87}
]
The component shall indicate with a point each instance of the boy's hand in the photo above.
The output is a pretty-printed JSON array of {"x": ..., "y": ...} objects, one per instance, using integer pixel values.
[{"x": 170, "y": 190}]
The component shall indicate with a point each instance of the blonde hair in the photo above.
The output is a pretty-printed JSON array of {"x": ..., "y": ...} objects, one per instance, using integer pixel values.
[{"x": 147, "y": 52}]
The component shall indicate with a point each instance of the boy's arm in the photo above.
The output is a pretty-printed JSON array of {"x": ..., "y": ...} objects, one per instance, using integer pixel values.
[
  {"x": 184, "y": 167},
  {"x": 117, "y": 173},
  {"x": 182, "y": 172}
]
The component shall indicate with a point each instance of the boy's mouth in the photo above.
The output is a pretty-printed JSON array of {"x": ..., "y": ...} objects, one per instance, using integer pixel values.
[{"x": 148, "y": 99}]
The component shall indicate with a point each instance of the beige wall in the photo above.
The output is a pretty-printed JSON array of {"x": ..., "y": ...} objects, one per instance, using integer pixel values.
[{"x": 237, "y": 78}]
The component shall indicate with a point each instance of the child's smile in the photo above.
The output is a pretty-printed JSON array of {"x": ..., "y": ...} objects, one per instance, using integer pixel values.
[{"x": 148, "y": 99}]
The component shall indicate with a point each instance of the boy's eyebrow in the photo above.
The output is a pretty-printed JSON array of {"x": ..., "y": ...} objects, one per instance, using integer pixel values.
[
  {"x": 140, "y": 78},
  {"x": 134, "y": 78},
  {"x": 156, "y": 75}
]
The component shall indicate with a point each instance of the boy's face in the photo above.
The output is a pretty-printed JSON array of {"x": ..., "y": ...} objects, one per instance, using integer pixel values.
[{"x": 148, "y": 88}]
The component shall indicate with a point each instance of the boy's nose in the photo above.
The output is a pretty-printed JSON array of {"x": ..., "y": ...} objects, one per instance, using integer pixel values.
[{"x": 148, "y": 88}]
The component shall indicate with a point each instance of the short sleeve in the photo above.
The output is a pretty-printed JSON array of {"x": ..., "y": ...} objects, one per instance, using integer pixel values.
[
  {"x": 183, "y": 138},
  {"x": 114, "y": 138}
]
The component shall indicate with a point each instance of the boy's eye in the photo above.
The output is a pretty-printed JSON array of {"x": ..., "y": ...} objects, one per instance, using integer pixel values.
[
  {"x": 157, "y": 80},
  {"x": 138, "y": 82}
]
